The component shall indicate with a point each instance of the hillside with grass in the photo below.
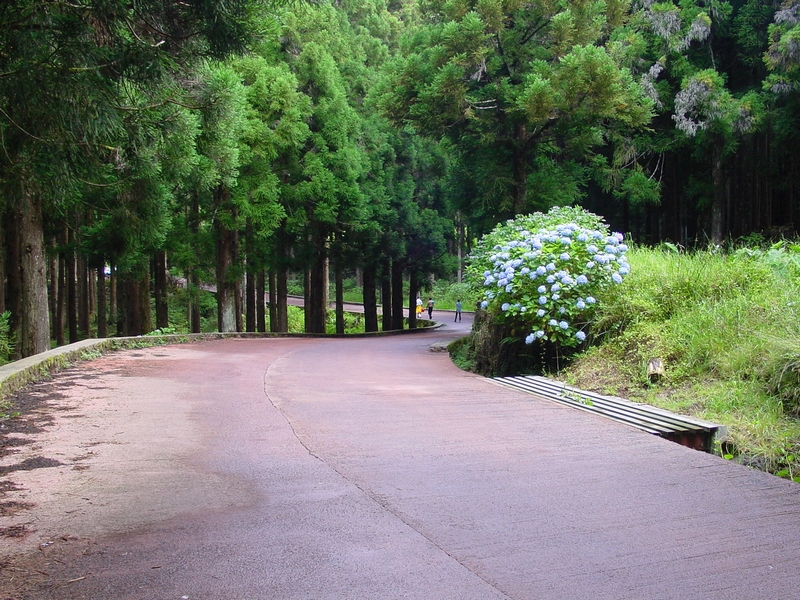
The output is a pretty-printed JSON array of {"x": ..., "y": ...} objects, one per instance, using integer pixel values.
[{"x": 725, "y": 325}]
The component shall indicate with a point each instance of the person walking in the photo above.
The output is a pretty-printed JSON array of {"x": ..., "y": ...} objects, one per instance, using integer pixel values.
[
  {"x": 430, "y": 308},
  {"x": 419, "y": 307},
  {"x": 458, "y": 311}
]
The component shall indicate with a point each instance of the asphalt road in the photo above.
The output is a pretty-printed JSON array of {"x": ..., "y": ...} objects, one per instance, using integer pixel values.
[{"x": 372, "y": 468}]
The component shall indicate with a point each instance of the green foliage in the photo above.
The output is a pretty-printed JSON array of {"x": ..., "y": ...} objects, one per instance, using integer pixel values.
[
  {"x": 446, "y": 294},
  {"x": 781, "y": 57},
  {"x": 6, "y": 338},
  {"x": 179, "y": 298},
  {"x": 353, "y": 323},
  {"x": 526, "y": 92},
  {"x": 296, "y": 318},
  {"x": 726, "y": 327}
]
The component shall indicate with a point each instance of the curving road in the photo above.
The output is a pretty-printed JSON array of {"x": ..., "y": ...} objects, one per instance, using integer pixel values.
[{"x": 372, "y": 468}]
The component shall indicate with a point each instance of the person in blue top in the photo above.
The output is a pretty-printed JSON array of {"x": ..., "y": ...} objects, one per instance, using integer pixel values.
[
  {"x": 430, "y": 308},
  {"x": 458, "y": 311}
]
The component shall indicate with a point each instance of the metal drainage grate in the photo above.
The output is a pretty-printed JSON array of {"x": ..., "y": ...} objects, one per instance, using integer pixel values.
[{"x": 687, "y": 431}]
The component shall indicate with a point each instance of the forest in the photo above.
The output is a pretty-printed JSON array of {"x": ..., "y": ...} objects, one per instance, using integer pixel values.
[{"x": 241, "y": 145}]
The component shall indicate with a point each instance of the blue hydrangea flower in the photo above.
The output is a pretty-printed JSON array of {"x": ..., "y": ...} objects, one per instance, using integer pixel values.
[
  {"x": 555, "y": 287},
  {"x": 580, "y": 304},
  {"x": 556, "y": 297},
  {"x": 590, "y": 300},
  {"x": 542, "y": 299},
  {"x": 580, "y": 335},
  {"x": 541, "y": 289},
  {"x": 540, "y": 270},
  {"x": 484, "y": 304},
  {"x": 582, "y": 280},
  {"x": 616, "y": 278},
  {"x": 563, "y": 325},
  {"x": 505, "y": 306},
  {"x": 541, "y": 312},
  {"x": 530, "y": 338},
  {"x": 552, "y": 323}
]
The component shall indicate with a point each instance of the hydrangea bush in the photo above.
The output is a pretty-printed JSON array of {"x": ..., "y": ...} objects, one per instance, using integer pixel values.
[{"x": 544, "y": 272}]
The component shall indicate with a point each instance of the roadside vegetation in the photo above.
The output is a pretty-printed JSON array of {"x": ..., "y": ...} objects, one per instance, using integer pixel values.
[{"x": 726, "y": 326}]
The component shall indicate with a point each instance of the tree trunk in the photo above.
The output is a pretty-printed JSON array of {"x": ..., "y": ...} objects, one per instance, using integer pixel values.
[
  {"x": 397, "y": 295},
  {"x": 317, "y": 307},
  {"x": 82, "y": 287},
  {"x": 718, "y": 203},
  {"x": 27, "y": 276},
  {"x": 370, "y": 300},
  {"x": 113, "y": 305},
  {"x": 273, "y": 301},
  {"x": 52, "y": 284},
  {"x": 339, "y": 295},
  {"x": 413, "y": 284},
  {"x": 102, "y": 316},
  {"x": 227, "y": 279},
  {"x": 250, "y": 279},
  {"x": 134, "y": 305},
  {"x": 11, "y": 228},
  {"x": 519, "y": 167},
  {"x": 386, "y": 295},
  {"x": 239, "y": 304},
  {"x": 160, "y": 289},
  {"x": 307, "y": 301},
  {"x": 194, "y": 302},
  {"x": 193, "y": 219},
  {"x": 61, "y": 301},
  {"x": 261, "y": 317},
  {"x": 72, "y": 300},
  {"x": 282, "y": 300},
  {"x": 460, "y": 246},
  {"x": 3, "y": 265}
]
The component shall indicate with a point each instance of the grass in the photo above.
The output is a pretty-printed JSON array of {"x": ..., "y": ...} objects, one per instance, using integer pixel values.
[{"x": 727, "y": 326}]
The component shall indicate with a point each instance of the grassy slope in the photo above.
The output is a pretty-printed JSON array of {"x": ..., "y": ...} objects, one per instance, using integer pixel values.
[{"x": 727, "y": 328}]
